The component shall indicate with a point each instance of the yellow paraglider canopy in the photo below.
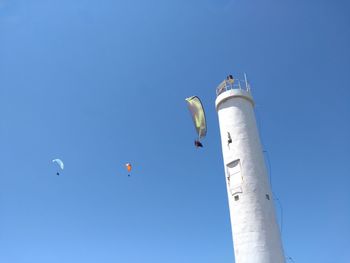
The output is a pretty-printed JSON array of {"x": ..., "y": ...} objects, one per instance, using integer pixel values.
[{"x": 198, "y": 116}]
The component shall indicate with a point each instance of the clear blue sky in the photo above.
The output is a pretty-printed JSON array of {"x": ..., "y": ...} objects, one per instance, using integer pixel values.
[{"x": 101, "y": 83}]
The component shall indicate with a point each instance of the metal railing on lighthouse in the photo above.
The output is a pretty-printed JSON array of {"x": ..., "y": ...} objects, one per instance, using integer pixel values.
[{"x": 233, "y": 83}]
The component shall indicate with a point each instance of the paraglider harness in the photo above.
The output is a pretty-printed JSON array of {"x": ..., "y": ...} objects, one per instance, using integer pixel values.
[{"x": 198, "y": 144}]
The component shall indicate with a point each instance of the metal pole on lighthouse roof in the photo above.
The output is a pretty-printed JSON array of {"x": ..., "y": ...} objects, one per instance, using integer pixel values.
[{"x": 255, "y": 232}]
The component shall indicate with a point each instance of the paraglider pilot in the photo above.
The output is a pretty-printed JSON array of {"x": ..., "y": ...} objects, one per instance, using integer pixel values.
[{"x": 198, "y": 144}]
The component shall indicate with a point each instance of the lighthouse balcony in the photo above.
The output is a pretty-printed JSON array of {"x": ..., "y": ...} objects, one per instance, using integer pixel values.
[{"x": 233, "y": 83}]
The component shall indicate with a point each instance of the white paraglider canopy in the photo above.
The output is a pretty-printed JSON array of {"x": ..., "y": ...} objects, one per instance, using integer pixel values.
[{"x": 59, "y": 163}]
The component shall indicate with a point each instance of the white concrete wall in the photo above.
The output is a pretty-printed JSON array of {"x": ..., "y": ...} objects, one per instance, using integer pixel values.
[{"x": 256, "y": 235}]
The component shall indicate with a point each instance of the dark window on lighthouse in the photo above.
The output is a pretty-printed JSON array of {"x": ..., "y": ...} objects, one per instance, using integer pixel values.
[
  {"x": 267, "y": 197},
  {"x": 236, "y": 197}
]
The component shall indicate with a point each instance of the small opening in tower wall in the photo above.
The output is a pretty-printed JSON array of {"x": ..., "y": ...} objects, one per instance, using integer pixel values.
[
  {"x": 267, "y": 197},
  {"x": 236, "y": 197}
]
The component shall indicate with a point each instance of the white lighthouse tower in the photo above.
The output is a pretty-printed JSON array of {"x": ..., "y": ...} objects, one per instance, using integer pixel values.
[{"x": 256, "y": 236}]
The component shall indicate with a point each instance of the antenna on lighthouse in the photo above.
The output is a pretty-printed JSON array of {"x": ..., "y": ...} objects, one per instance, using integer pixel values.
[{"x": 246, "y": 82}]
